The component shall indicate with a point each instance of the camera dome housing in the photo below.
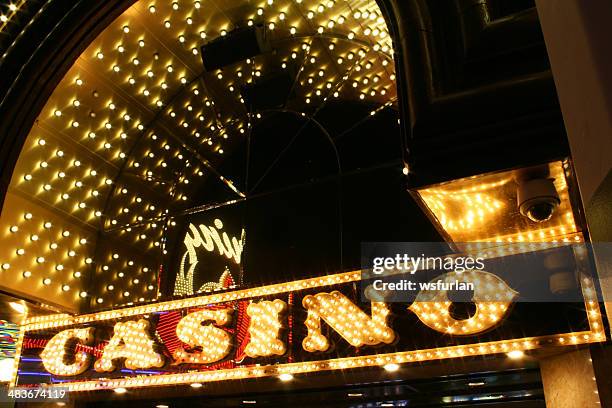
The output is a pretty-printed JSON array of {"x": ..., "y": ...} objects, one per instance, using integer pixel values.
[{"x": 537, "y": 199}]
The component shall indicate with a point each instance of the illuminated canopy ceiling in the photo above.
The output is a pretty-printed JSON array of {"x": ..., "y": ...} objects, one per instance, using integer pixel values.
[{"x": 137, "y": 126}]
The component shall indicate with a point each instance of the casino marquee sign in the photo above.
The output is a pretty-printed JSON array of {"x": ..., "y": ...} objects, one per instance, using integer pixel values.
[{"x": 298, "y": 327}]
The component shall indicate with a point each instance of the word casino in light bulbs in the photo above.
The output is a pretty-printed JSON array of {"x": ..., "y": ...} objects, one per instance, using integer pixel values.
[{"x": 302, "y": 326}]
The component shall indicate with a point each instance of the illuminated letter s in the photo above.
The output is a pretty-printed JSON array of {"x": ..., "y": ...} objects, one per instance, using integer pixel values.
[{"x": 215, "y": 342}]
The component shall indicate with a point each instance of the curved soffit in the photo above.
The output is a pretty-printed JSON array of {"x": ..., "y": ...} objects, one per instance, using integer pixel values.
[{"x": 137, "y": 124}]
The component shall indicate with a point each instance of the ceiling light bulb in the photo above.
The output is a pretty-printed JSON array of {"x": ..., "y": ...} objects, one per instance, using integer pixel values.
[
  {"x": 18, "y": 307},
  {"x": 391, "y": 367},
  {"x": 516, "y": 354}
]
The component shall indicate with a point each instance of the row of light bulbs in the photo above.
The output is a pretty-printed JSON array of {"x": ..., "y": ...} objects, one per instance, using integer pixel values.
[
  {"x": 13, "y": 9},
  {"x": 51, "y": 321},
  {"x": 287, "y": 371}
]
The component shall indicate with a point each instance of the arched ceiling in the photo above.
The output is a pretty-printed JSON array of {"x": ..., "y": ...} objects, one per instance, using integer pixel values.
[{"x": 137, "y": 124}]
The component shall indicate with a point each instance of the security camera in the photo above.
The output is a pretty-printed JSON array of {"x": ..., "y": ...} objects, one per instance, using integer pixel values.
[{"x": 537, "y": 198}]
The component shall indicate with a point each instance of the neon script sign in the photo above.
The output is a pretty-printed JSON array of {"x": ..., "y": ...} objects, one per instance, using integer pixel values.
[
  {"x": 212, "y": 239},
  {"x": 289, "y": 328}
]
